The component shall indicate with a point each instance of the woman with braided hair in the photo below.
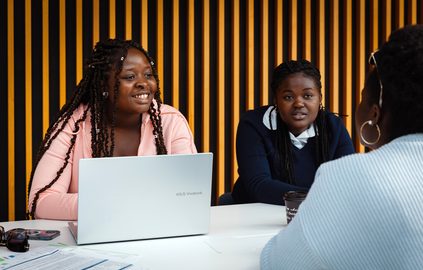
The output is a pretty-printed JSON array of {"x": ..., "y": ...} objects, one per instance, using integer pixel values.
[
  {"x": 116, "y": 110},
  {"x": 365, "y": 211},
  {"x": 280, "y": 147}
]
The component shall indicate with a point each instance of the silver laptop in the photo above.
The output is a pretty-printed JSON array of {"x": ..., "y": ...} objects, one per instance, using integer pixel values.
[{"x": 143, "y": 197}]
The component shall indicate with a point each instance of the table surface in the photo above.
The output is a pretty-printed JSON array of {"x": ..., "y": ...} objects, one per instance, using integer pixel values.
[{"x": 237, "y": 235}]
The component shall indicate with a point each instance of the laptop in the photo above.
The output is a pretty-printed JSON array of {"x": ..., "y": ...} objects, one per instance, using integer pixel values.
[{"x": 143, "y": 197}]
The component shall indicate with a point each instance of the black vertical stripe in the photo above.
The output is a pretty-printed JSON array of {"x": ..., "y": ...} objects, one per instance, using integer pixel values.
[
  {"x": 285, "y": 30},
  {"x": 198, "y": 74},
  {"x": 54, "y": 64},
  {"x": 271, "y": 49},
  {"x": 213, "y": 87},
  {"x": 3, "y": 114},
  {"x": 341, "y": 63},
  {"x": 19, "y": 64},
  {"x": 152, "y": 28},
  {"x": 37, "y": 76},
  {"x": 300, "y": 29},
  {"x": 136, "y": 20},
  {"x": 167, "y": 55},
  {"x": 70, "y": 48},
  {"x": 104, "y": 19},
  {"x": 314, "y": 36},
  {"x": 228, "y": 92},
  {"x": 257, "y": 58},
  {"x": 327, "y": 53},
  {"x": 242, "y": 56},
  {"x": 183, "y": 56},
  {"x": 87, "y": 31},
  {"x": 120, "y": 19}
]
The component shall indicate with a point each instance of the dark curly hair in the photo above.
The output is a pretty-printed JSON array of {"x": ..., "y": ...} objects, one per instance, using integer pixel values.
[
  {"x": 400, "y": 68},
  {"x": 106, "y": 61},
  {"x": 283, "y": 141}
]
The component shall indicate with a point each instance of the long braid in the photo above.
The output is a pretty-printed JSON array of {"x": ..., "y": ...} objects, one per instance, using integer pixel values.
[
  {"x": 283, "y": 141},
  {"x": 107, "y": 57}
]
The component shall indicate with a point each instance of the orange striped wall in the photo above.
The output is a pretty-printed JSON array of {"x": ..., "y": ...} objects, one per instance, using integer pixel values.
[{"x": 214, "y": 58}]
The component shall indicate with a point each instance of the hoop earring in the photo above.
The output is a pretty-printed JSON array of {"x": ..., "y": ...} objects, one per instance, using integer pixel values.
[
  {"x": 370, "y": 123},
  {"x": 105, "y": 94}
]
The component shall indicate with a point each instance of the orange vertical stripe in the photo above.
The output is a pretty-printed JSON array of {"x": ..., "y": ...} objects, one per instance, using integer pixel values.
[
  {"x": 46, "y": 95},
  {"x": 400, "y": 13},
  {"x": 144, "y": 24},
  {"x": 321, "y": 45},
  {"x": 96, "y": 21},
  {"x": 28, "y": 96},
  {"x": 347, "y": 69},
  {"x": 79, "y": 37},
  {"x": 279, "y": 32},
  {"x": 128, "y": 19},
  {"x": 334, "y": 51},
  {"x": 62, "y": 52},
  {"x": 374, "y": 33},
  {"x": 264, "y": 68},
  {"x": 307, "y": 30},
  {"x": 293, "y": 36},
  {"x": 160, "y": 41},
  {"x": 388, "y": 19},
  {"x": 205, "y": 138},
  {"x": 250, "y": 56},
  {"x": 175, "y": 55},
  {"x": 412, "y": 12},
  {"x": 112, "y": 18},
  {"x": 221, "y": 98}
]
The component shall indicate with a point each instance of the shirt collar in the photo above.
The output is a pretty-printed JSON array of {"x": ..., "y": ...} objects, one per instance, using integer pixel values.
[
  {"x": 301, "y": 140},
  {"x": 269, "y": 121}
]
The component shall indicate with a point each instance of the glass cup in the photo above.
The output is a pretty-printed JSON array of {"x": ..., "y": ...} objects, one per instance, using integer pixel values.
[{"x": 293, "y": 199}]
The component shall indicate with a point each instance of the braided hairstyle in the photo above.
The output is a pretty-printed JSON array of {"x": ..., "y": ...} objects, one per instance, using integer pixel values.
[
  {"x": 400, "y": 68},
  {"x": 106, "y": 61},
  {"x": 283, "y": 141}
]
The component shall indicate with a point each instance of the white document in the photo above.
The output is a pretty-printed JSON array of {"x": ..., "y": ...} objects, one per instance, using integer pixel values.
[{"x": 52, "y": 258}]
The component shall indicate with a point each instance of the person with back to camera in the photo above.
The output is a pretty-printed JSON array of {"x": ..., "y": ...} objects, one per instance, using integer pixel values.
[
  {"x": 280, "y": 147},
  {"x": 364, "y": 211},
  {"x": 116, "y": 110}
]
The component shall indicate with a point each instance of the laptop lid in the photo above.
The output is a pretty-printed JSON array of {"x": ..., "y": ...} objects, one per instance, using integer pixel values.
[{"x": 143, "y": 197}]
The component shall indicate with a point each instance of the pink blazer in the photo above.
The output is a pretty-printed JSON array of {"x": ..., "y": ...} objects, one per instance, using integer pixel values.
[{"x": 61, "y": 200}]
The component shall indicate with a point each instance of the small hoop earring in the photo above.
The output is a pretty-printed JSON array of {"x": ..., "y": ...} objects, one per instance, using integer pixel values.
[
  {"x": 370, "y": 123},
  {"x": 105, "y": 94}
]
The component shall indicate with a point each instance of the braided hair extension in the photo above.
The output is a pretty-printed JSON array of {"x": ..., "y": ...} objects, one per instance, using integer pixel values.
[
  {"x": 400, "y": 68},
  {"x": 283, "y": 141},
  {"x": 107, "y": 57}
]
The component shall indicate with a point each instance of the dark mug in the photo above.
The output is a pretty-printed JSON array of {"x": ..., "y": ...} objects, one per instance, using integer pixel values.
[{"x": 293, "y": 199}]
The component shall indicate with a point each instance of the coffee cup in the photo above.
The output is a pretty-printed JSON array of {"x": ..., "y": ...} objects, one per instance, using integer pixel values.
[{"x": 293, "y": 199}]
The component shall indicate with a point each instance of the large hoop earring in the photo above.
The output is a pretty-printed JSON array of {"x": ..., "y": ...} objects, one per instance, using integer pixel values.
[{"x": 370, "y": 123}]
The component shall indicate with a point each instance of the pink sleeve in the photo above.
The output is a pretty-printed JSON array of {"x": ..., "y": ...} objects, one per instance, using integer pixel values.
[
  {"x": 56, "y": 202},
  {"x": 177, "y": 133},
  {"x": 182, "y": 139}
]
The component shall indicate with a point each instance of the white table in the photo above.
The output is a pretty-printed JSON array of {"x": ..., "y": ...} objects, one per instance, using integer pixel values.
[{"x": 237, "y": 235}]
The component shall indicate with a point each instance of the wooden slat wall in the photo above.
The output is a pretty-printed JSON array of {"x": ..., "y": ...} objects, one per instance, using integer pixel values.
[{"x": 215, "y": 60}]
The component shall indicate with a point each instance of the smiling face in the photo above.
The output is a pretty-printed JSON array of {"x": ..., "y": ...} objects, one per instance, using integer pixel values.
[
  {"x": 298, "y": 100},
  {"x": 137, "y": 84}
]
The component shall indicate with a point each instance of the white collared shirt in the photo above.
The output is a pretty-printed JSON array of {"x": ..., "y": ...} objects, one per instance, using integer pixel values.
[{"x": 299, "y": 141}]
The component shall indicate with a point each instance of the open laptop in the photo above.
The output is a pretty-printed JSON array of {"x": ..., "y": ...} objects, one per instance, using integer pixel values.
[{"x": 143, "y": 197}]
